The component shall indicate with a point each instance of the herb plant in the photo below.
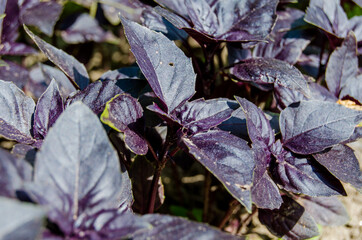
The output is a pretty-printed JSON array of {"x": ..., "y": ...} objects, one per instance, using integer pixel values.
[{"x": 250, "y": 95}]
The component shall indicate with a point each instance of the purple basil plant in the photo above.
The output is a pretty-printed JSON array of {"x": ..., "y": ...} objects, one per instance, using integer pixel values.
[{"x": 224, "y": 89}]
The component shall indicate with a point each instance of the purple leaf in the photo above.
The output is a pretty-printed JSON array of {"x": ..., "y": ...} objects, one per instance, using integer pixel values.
[
  {"x": 327, "y": 211},
  {"x": 87, "y": 177},
  {"x": 259, "y": 129},
  {"x": 110, "y": 224},
  {"x": 240, "y": 21},
  {"x": 282, "y": 48},
  {"x": 124, "y": 224},
  {"x": 76, "y": 71},
  {"x": 236, "y": 124},
  {"x": 131, "y": 9},
  {"x": 318, "y": 92},
  {"x": 13, "y": 173},
  {"x": 16, "y": 111},
  {"x": 264, "y": 192},
  {"x": 14, "y": 73},
  {"x": 154, "y": 21},
  {"x": 10, "y": 23},
  {"x": 271, "y": 71},
  {"x": 228, "y": 158},
  {"x": 122, "y": 73},
  {"x": 49, "y": 107},
  {"x": 341, "y": 161},
  {"x": 97, "y": 94},
  {"x": 342, "y": 65},
  {"x": 172, "y": 228},
  {"x": 165, "y": 116},
  {"x": 37, "y": 83},
  {"x": 177, "y": 5},
  {"x": 202, "y": 16},
  {"x": 283, "y": 43},
  {"x": 353, "y": 89},
  {"x": 329, "y": 16},
  {"x": 200, "y": 115},
  {"x": 141, "y": 174},
  {"x": 20, "y": 220},
  {"x": 291, "y": 221},
  {"x": 301, "y": 175},
  {"x": 24, "y": 151},
  {"x": 12, "y": 48},
  {"x": 65, "y": 86},
  {"x": 312, "y": 126},
  {"x": 285, "y": 96},
  {"x": 167, "y": 69},
  {"x": 85, "y": 28},
  {"x": 32, "y": 13},
  {"x": 176, "y": 20},
  {"x": 125, "y": 114}
]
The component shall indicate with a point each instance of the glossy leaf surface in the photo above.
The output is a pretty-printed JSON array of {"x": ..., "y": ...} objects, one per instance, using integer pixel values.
[
  {"x": 271, "y": 71},
  {"x": 313, "y": 126},
  {"x": 201, "y": 115},
  {"x": 168, "y": 71},
  {"x": 228, "y": 158}
]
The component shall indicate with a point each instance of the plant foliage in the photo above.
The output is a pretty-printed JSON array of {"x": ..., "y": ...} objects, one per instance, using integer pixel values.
[{"x": 249, "y": 95}]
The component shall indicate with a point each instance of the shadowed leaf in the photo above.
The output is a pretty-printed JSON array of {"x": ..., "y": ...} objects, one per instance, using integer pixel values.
[
  {"x": 291, "y": 221},
  {"x": 228, "y": 158}
]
